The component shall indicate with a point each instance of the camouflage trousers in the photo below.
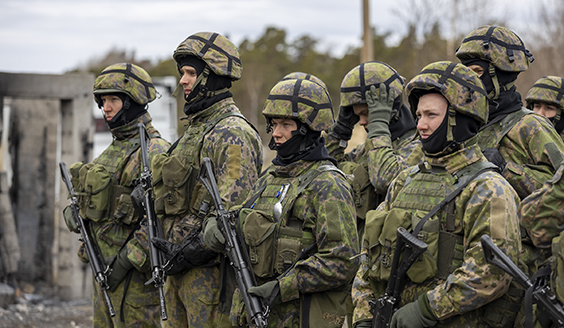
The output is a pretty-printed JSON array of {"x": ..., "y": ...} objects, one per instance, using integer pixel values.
[
  {"x": 192, "y": 299},
  {"x": 140, "y": 308}
]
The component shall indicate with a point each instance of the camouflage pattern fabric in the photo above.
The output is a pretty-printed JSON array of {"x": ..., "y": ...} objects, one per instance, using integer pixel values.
[
  {"x": 325, "y": 208},
  {"x": 524, "y": 148},
  {"x": 312, "y": 107},
  {"x": 541, "y": 214},
  {"x": 126, "y": 78},
  {"x": 236, "y": 152},
  {"x": 486, "y": 206},
  {"x": 141, "y": 303}
]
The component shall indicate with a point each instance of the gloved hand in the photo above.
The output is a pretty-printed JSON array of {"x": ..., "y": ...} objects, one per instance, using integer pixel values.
[
  {"x": 213, "y": 238},
  {"x": 343, "y": 128},
  {"x": 269, "y": 291},
  {"x": 411, "y": 316},
  {"x": 181, "y": 258},
  {"x": 120, "y": 266},
  {"x": 379, "y": 110},
  {"x": 69, "y": 220},
  {"x": 137, "y": 198},
  {"x": 363, "y": 324},
  {"x": 493, "y": 155}
]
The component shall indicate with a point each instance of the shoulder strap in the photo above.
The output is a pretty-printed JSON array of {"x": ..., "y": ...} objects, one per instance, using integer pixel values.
[
  {"x": 310, "y": 176},
  {"x": 448, "y": 199}
]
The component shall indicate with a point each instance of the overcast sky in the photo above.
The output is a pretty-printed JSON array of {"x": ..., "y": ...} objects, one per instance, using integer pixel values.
[{"x": 58, "y": 35}]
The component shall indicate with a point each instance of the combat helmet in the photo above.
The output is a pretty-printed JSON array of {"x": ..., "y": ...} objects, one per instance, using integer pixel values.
[
  {"x": 126, "y": 78},
  {"x": 500, "y": 47},
  {"x": 462, "y": 88},
  {"x": 218, "y": 52},
  {"x": 359, "y": 79},
  {"x": 548, "y": 89},
  {"x": 304, "y": 76},
  {"x": 302, "y": 100}
]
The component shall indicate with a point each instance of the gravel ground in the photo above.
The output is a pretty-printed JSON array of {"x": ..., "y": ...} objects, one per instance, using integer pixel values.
[{"x": 45, "y": 310}]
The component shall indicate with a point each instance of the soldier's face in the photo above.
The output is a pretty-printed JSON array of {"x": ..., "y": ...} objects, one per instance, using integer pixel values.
[
  {"x": 477, "y": 69},
  {"x": 544, "y": 109},
  {"x": 282, "y": 129},
  {"x": 188, "y": 78},
  {"x": 361, "y": 110},
  {"x": 111, "y": 105},
  {"x": 431, "y": 111}
]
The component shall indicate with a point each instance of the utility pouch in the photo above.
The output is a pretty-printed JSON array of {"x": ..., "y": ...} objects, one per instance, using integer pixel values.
[
  {"x": 173, "y": 184},
  {"x": 364, "y": 195},
  {"x": 259, "y": 232},
  {"x": 97, "y": 183},
  {"x": 380, "y": 238},
  {"x": 124, "y": 211},
  {"x": 326, "y": 309},
  {"x": 557, "y": 267},
  {"x": 426, "y": 266},
  {"x": 289, "y": 245}
]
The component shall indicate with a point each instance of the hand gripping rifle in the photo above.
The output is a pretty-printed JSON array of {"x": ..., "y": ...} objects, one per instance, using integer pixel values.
[
  {"x": 95, "y": 257},
  {"x": 244, "y": 275},
  {"x": 542, "y": 296},
  {"x": 158, "y": 273},
  {"x": 387, "y": 304}
]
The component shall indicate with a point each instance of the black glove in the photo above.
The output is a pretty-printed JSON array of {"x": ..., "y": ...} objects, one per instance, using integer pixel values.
[
  {"x": 181, "y": 258},
  {"x": 342, "y": 129},
  {"x": 269, "y": 291},
  {"x": 137, "y": 198},
  {"x": 493, "y": 155},
  {"x": 120, "y": 266}
]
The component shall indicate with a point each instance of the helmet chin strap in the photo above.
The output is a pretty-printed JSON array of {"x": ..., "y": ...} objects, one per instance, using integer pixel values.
[{"x": 494, "y": 94}]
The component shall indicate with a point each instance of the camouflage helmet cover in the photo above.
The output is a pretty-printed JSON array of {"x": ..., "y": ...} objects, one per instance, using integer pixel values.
[
  {"x": 462, "y": 88},
  {"x": 218, "y": 52},
  {"x": 548, "y": 89},
  {"x": 304, "y": 76},
  {"x": 302, "y": 100},
  {"x": 359, "y": 79},
  {"x": 126, "y": 78},
  {"x": 497, "y": 45}
]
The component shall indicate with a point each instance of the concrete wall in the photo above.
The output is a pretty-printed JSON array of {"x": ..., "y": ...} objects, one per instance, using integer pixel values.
[{"x": 51, "y": 120}]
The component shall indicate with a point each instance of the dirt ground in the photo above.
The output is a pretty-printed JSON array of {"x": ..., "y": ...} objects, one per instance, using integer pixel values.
[{"x": 43, "y": 309}]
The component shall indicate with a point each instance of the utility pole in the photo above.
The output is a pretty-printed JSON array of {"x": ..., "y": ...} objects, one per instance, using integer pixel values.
[{"x": 367, "y": 51}]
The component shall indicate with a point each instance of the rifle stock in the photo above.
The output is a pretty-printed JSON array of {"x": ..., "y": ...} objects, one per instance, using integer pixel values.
[
  {"x": 95, "y": 258},
  {"x": 387, "y": 304},
  {"x": 257, "y": 311},
  {"x": 542, "y": 295},
  {"x": 146, "y": 180}
]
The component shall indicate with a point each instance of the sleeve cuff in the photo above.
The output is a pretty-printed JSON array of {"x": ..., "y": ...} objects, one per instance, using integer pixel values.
[
  {"x": 289, "y": 289},
  {"x": 426, "y": 307}
]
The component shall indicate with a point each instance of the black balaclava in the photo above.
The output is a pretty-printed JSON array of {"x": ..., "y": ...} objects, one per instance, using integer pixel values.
[
  {"x": 402, "y": 122},
  {"x": 508, "y": 101},
  {"x": 194, "y": 101},
  {"x": 129, "y": 111},
  {"x": 305, "y": 144},
  {"x": 437, "y": 144}
]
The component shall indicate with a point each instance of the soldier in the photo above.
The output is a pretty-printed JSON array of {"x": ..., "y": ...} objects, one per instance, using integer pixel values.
[
  {"x": 392, "y": 144},
  {"x": 525, "y": 146},
  {"x": 303, "y": 202},
  {"x": 545, "y": 98},
  {"x": 122, "y": 91},
  {"x": 452, "y": 285},
  {"x": 195, "y": 291}
]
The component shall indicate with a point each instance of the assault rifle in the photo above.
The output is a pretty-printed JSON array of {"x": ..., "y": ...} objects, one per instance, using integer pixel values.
[
  {"x": 387, "y": 304},
  {"x": 542, "y": 296},
  {"x": 257, "y": 311},
  {"x": 95, "y": 258},
  {"x": 146, "y": 181}
]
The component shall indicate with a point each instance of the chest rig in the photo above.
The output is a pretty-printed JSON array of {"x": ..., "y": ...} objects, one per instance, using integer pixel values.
[
  {"x": 102, "y": 197},
  {"x": 274, "y": 236},
  {"x": 426, "y": 205},
  {"x": 176, "y": 186}
]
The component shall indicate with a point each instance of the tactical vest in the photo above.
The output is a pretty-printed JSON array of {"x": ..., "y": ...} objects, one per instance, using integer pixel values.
[
  {"x": 175, "y": 173},
  {"x": 425, "y": 187},
  {"x": 100, "y": 195}
]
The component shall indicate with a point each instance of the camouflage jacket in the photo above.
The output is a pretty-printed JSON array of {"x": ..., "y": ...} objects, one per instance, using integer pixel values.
[
  {"x": 112, "y": 234},
  {"x": 235, "y": 150},
  {"x": 541, "y": 214},
  {"x": 529, "y": 161},
  {"x": 487, "y": 205}
]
